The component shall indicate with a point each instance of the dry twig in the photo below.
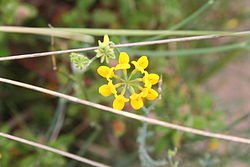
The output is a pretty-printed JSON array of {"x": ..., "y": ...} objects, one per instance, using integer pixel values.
[
  {"x": 121, "y": 45},
  {"x": 129, "y": 115},
  {"x": 44, "y": 147}
]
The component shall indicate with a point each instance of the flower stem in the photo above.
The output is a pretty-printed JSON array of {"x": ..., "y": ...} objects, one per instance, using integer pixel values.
[
  {"x": 145, "y": 158},
  {"x": 132, "y": 73}
]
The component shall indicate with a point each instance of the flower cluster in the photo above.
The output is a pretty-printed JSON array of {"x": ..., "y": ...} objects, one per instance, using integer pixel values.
[
  {"x": 104, "y": 51},
  {"x": 137, "y": 86},
  {"x": 80, "y": 61}
]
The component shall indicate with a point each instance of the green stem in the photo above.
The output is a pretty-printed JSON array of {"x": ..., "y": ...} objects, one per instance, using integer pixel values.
[
  {"x": 187, "y": 20},
  {"x": 136, "y": 80},
  {"x": 93, "y": 59},
  {"x": 236, "y": 122},
  {"x": 84, "y": 148},
  {"x": 194, "y": 15},
  {"x": 115, "y": 32},
  {"x": 125, "y": 74},
  {"x": 145, "y": 158},
  {"x": 58, "y": 119},
  {"x": 138, "y": 32},
  {"x": 132, "y": 73},
  {"x": 218, "y": 65},
  {"x": 119, "y": 78},
  {"x": 187, "y": 52}
]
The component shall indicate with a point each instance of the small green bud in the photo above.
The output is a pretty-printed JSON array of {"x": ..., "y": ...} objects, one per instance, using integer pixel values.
[
  {"x": 104, "y": 52},
  {"x": 80, "y": 61}
]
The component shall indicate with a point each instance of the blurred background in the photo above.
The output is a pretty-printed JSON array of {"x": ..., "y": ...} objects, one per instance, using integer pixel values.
[{"x": 205, "y": 83}]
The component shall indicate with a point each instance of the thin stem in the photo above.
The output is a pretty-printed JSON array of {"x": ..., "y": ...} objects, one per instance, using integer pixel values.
[
  {"x": 84, "y": 148},
  {"x": 132, "y": 73},
  {"x": 83, "y": 33},
  {"x": 51, "y": 149},
  {"x": 145, "y": 158},
  {"x": 48, "y": 32},
  {"x": 125, "y": 74},
  {"x": 118, "y": 85},
  {"x": 124, "y": 90},
  {"x": 58, "y": 117},
  {"x": 135, "y": 86},
  {"x": 186, "y": 20},
  {"x": 126, "y": 32},
  {"x": 244, "y": 33},
  {"x": 93, "y": 59},
  {"x": 236, "y": 122},
  {"x": 128, "y": 114},
  {"x": 193, "y": 15},
  {"x": 136, "y": 80},
  {"x": 187, "y": 52},
  {"x": 119, "y": 78}
]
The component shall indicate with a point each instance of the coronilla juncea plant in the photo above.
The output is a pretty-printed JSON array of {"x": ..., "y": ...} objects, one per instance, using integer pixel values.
[{"x": 128, "y": 82}]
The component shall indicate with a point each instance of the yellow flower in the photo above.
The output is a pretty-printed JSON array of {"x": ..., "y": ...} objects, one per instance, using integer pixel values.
[
  {"x": 136, "y": 101},
  {"x": 107, "y": 89},
  {"x": 152, "y": 94},
  {"x": 119, "y": 102},
  {"x": 105, "y": 42},
  {"x": 140, "y": 88},
  {"x": 141, "y": 64},
  {"x": 106, "y": 72},
  {"x": 123, "y": 61},
  {"x": 150, "y": 79}
]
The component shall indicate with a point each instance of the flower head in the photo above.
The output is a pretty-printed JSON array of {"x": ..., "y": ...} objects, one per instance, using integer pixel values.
[
  {"x": 135, "y": 87},
  {"x": 80, "y": 61}
]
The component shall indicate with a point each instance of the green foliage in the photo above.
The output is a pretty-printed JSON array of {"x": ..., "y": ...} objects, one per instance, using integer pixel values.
[
  {"x": 184, "y": 100},
  {"x": 18, "y": 154},
  {"x": 15, "y": 12}
]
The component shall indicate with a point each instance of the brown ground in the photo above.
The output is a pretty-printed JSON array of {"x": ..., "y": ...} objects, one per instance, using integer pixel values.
[{"x": 231, "y": 90}]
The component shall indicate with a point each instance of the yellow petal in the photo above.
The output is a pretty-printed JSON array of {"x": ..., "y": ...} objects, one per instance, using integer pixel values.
[
  {"x": 143, "y": 62},
  {"x": 137, "y": 66},
  {"x": 153, "y": 78},
  {"x": 152, "y": 94},
  {"x": 105, "y": 72},
  {"x": 136, "y": 101},
  {"x": 122, "y": 66},
  {"x": 144, "y": 92},
  {"x": 123, "y": 61},
  {"x": 119, "y": 102},
  {"x": 123, "y": 58},
  {"x": 112, "y": 88},
  {"x": 105, "y": 90},
  {"x": 106, "y": 40}
]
